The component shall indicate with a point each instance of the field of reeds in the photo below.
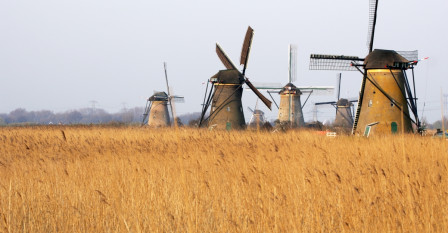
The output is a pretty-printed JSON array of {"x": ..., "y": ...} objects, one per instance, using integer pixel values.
[{"x": 131, "y": 179}]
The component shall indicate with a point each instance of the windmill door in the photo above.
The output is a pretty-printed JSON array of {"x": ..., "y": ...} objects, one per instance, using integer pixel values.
[
  {"x": 228, "y": 126},
  {"x": 394, "y": 127}
]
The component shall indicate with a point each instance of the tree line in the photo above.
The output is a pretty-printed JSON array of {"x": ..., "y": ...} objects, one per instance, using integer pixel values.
[
  {"x": 100, "y": 116},
  {"x": 21, "y": 116},
  {"x": 80, "y": 116}
]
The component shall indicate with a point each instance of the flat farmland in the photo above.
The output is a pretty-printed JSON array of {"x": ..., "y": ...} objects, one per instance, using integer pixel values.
[{"x": 132, "y": 179}]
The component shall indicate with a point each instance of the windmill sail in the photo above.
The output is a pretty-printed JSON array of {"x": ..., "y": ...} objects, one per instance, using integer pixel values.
[
  {"x": 178, "y": 99},
  {"x": 246, "y": 47},
  {"x": 334, "y": 62},
  {"x": 338, "y": 83},
  {"x": 373, "y": 10},
  {"x": 265, "y": 100},
  {"x": 292, "y": 69},
  {"x": 146, "y": 113},
  {"x": 173, "y": 108},
  {"x": 224, "y": 58},
  {"x": 169, "y": 95}
]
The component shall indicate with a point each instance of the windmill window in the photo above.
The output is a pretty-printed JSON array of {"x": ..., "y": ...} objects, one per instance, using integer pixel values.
[
  {"x": 392, "y": 104},
  {"x": 228, "y": 109},
  {"x": 370, "y": 103},
  {"x": 374, "y": 92}
]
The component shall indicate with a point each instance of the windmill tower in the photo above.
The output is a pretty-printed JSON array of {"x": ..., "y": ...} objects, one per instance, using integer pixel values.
[
  {"x": 226, "y": 91},
  {"x": 344, "y": 115},
  {"x": 290, "y": 109},
  {"x": 156, "y": 111},
  {"x": 386, "y": 93},
  {"x": 157, "y": 105}
]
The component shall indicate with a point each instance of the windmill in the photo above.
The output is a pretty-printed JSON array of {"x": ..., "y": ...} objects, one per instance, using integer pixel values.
[
  {"x": 156, "y": 111},
  {"x": 290, "y": 109},
  {"x": 257, "y": 120},
  {"x": 344, "y": 108},
  {"x": 226, "y": 91},
  {"x": 386, "y": 93}
]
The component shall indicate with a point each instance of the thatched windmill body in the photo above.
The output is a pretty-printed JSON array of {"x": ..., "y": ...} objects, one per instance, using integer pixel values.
[
  {"x": 226, "y": 91},
  {"x": 156, "y": 111},
  {"x": 386, "y": 94}
]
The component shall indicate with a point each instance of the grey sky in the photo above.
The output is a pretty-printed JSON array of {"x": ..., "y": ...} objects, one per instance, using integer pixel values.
[{"x": 61, "y": 54}]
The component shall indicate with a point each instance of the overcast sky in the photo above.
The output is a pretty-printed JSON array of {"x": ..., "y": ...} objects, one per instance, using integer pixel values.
[{"x": 60, "y": 55}]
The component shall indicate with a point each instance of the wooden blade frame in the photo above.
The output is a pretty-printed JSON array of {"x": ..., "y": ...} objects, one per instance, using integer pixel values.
[
  {"x": 338, "y": 78},
  {"x": 246, "y": 48},
  {"x": 146, "y": 113},
  {"x": 265, "y": 100},
  {"x": 224, "y": 58}
]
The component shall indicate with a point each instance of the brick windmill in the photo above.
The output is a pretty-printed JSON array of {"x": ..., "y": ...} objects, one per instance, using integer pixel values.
[{"x": 226, "y": 91}]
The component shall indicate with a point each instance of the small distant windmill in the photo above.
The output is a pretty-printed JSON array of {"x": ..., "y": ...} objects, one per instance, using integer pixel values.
[
  {"x": 225, "y": 94},
  {"x": 344, "y": 108},
  {"x": 156, "y": 111},
  {"x": 257, "y": 119},
  {"x": 385, "y": 92},
  {"x": 290, "y": 109}
]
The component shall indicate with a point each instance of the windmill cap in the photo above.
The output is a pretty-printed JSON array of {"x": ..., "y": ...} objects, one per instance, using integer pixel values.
[
  {"x": 159, "y": 96},
  {"x": 343, "y": 103},
  {"x": 288, "y": 88},
  {"x": 227, "y": 77},
  {"x": 382, "y": 59}
]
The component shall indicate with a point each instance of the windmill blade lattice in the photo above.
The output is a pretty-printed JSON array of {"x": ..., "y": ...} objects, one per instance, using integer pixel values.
[
  {"x": 409, "y": 55},
  {"x": 334, "y": 62},
  {"x": 373, "y": 9},
  {"x": 178, "y": 99}
]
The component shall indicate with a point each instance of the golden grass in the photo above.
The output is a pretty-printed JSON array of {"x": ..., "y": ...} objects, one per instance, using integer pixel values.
[{"x": 100, "y": 179}]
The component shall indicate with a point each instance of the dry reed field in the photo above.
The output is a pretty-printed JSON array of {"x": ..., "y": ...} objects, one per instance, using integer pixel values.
[{"x": 131, "y": 179}]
